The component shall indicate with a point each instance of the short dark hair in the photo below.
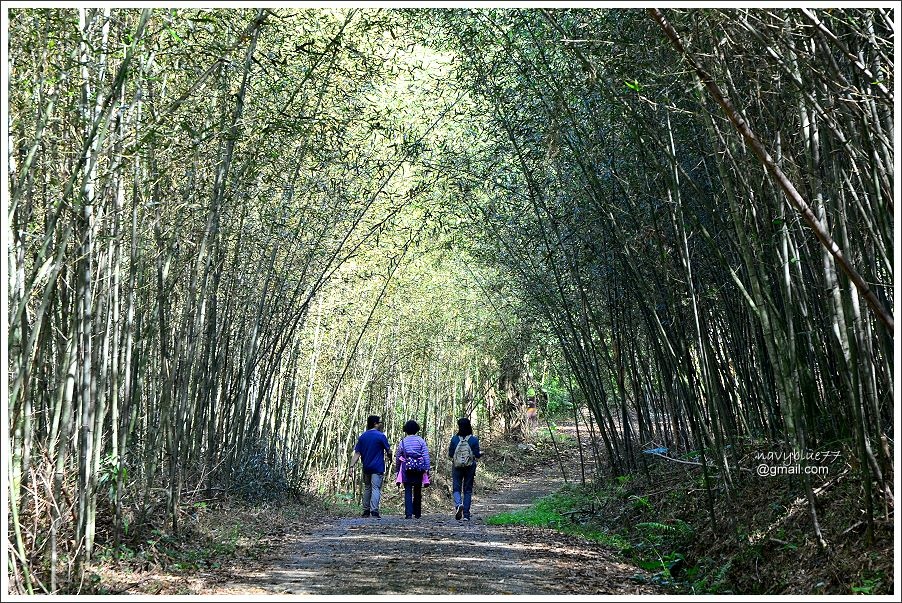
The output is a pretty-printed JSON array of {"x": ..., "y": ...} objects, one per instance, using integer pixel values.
[
  {"x": 464, "y": 427},
  {"x": 411, "y": 427},
  {"x": 372, "y": 421}
]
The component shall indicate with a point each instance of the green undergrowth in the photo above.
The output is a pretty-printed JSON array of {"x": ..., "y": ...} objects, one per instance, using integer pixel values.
[
  {"x": 655, "y": 545},
  {"x": 549, "y": 435},
  {"x": 557, "y": 511},
  {"x": 761, "y": 541}
]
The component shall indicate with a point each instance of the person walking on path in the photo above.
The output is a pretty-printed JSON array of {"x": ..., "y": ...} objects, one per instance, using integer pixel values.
[
  {"x": 463, "y": 452},
  {"x": 532, "y": 417},
  {"x": 413, "y": 449},
  {"x": 372, "y": 445}
]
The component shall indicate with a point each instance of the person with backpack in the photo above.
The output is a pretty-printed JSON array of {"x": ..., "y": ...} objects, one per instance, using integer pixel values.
[
  {"x": 413, "y": 449},
  {"x": 463, "y": 451},
  {"x": 370, "y": 450}
]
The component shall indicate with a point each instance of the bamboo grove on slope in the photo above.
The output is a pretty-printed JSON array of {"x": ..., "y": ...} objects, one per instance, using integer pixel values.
[
  {"x": 693, "y": 304},
  {"x": 233, "y": 233},
  {"x": 183, "y": 186}
]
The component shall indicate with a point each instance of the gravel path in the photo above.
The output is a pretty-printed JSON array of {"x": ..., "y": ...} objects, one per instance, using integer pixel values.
[{"x": 439, "y": 555}]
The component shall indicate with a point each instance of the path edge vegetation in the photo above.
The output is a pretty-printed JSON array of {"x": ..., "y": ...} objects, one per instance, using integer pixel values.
[
  {"x": 657, "y": 522},
  {"x": 232, "y": 234}
]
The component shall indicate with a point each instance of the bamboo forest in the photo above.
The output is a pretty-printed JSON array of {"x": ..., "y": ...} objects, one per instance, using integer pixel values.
[{"x": 618, "y": 279}]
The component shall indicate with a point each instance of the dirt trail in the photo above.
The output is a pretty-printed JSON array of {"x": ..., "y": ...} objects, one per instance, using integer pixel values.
[{"x": 439, "y": 555}]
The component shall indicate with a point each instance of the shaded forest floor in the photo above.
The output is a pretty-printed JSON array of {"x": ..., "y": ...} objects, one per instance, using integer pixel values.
[
  {"x": 762, "y": 540},
  {"x": 638, "y": 534}
]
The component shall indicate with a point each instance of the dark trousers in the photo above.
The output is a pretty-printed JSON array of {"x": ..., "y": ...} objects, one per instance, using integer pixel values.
[
  {"x": 462, "y": 486},
  {"x": 413, "y": 492}
]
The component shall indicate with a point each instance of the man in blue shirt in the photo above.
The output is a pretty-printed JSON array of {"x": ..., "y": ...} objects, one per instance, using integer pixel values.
[{"x": 371, "y": 448}]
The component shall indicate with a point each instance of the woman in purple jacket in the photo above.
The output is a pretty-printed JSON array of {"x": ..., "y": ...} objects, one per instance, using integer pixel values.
[{"x": 416, "y": 462}]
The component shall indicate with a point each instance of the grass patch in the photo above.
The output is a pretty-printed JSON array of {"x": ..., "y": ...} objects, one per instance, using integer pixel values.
[
  {"x": 549, "y": 434},
  {"x": 656, "y": 546},
  {"x": 559, "y": 511}
]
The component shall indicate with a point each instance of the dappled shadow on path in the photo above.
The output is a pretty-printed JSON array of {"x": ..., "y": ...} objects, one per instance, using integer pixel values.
[
  {"x": 398, "y": 556},
  {"x": 439, "y": 555}
]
